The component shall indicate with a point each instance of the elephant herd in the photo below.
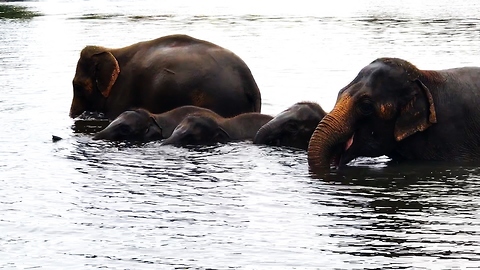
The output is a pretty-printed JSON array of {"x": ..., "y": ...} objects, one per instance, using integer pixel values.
[{"x": 184, "y": 91}]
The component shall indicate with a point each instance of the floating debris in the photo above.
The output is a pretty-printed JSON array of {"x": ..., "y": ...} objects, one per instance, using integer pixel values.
[{"x": 56, "y": 138}]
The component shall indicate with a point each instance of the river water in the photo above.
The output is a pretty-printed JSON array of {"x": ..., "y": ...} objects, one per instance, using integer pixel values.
[{"x": 83, "y": 204}]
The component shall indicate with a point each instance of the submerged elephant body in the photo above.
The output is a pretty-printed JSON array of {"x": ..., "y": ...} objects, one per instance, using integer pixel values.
[
  {"x": 202, "y": 129},
  {"x": 162, "y": 74},
  {"x": 292, "y": 127},
  {"x": 141, "y": 125},
  {"x": 392, "y": 108}
]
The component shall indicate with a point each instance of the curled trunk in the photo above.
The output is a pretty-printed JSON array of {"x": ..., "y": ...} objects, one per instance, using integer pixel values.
[
  {"x": 266, "y": 133},
  {"x": 331, "y": 135}
]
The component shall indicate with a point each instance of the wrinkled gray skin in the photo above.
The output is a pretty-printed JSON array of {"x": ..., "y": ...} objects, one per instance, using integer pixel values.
[
  {"x": 198, "y": 129},
  {"x": 142, "y": 126},
  {"x": 292, "y": 127}
]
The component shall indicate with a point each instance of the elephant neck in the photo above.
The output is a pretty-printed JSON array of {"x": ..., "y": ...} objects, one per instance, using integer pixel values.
[{"x": 245, "y": 126}]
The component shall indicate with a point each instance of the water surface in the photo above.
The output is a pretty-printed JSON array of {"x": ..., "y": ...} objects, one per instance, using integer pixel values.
[{"x": 84, "y": 204}]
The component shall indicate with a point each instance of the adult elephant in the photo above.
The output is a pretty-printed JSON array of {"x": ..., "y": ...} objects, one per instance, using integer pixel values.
[
  {"x": 141, "y": 125},
  {"x": 163, "y": 74},
  {"x": 393, "y": 108},
  {"x": 293, "y": 127},
  {"x": 202, "y": 129}
]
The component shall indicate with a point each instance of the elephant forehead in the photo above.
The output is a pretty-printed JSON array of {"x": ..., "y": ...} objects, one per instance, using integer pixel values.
[
  {"x": 130, "y": 118},
  {"x": 303, "y": 113}
]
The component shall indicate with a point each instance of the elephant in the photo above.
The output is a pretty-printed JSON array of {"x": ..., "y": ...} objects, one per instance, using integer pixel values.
[
  {"x": 162, "y": 74},
  {"x": 394, "y": 109},
  {"x": 293, "y": 127},
  {"x": 202, "y": 129},
  {"x": 141, "y": 125}
]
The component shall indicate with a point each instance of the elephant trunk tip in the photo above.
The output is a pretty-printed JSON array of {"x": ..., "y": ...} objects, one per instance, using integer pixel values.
[
  {"x": 260, "y": 137},
  {"x": 98, "y": 136}
]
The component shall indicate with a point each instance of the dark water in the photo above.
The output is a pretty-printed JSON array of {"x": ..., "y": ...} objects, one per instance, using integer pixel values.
[{"x": 83, "y": 204}]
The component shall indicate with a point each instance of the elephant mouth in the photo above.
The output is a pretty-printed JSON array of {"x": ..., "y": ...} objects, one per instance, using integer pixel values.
[{"x": 341, "y": 156}]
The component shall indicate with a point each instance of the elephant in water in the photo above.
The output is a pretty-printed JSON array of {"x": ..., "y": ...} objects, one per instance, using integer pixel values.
[
  {"x": 393, "y": 108},
  {"x": 292, "y": 127},
  {"x": 201, "y": 129},
  {"x": 142, "y": 126},
  {"x": 162, "y": 74}
]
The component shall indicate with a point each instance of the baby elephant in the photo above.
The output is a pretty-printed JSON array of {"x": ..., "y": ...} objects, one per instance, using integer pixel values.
[
  {"x": 292, "y": 127},
  {"x": 201, "y": 129},
  {"x": 142, "y": 126}
]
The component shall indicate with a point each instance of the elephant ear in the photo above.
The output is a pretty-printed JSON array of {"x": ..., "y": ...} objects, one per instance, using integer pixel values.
[
  {"x": 106, "y": 71},
  {"x": 157, "y": 124},
  {"x": 417, "y": 115},
  {"x": 221, "y": 135}
]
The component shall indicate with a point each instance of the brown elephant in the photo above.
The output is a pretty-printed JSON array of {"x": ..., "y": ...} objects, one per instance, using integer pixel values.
[
  {"x": 141, "y": 125},
  {"x": 162, "y": 74},
  {"x": 202, "y": 129},
  {"x": 393, "y": 108},
  {"x": 293, "y": 127}
]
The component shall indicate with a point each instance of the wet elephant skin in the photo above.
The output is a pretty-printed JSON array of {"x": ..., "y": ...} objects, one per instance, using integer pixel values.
[
  {"x": 141, "y": 125},
  {"x": 162, "y": 74},
  {"x": 201, "y": 129},
  {"x": 293, "y": 127},
  {"x": 393, "y": 108}
]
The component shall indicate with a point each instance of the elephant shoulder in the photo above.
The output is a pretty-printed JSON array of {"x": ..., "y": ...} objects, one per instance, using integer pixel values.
[{"x": 180, "y": 41}]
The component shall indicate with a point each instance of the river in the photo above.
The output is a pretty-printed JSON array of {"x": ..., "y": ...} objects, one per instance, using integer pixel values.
[{"x": 84, "y": 204}]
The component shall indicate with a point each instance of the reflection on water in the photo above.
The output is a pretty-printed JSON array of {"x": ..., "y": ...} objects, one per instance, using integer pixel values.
[
  {"x": 79, "y": 203},
  {"x": 404, "y": 211},
  {"x": 238, "y": 195}
]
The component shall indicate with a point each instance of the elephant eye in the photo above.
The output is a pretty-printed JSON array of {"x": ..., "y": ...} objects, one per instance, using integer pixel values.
[{"x": 366, "y": 107}]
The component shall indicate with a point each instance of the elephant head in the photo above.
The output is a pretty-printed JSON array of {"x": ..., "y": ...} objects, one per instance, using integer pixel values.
[
  {"x": 292, "y": 127},
  {"x": 97, "y": 70},
  {"x": 137, "y": 125},
  {"x": 386, "y": 103},
  {"x": 198, "y": 130}
]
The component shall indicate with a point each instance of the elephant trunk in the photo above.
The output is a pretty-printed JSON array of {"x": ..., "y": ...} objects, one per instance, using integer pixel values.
[
  {"x": 76, "y": 108},
  {"x": 103, "y": 134},
  {"x": 272, "y": 132},
  {"x": 332, "y": 136},
  {"x": 178, "y": 136},
  {"x": 266, "y": 134}
]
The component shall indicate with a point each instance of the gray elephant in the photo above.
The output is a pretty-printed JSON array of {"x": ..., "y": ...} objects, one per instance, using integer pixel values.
[
  {"x": 201, "y": 129},
  {"x": 292, "y": 127},
  {"x": 393, "y": 108},
  {"x": 141, "y": 125},
  {"x": 161, "y": 74}
]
